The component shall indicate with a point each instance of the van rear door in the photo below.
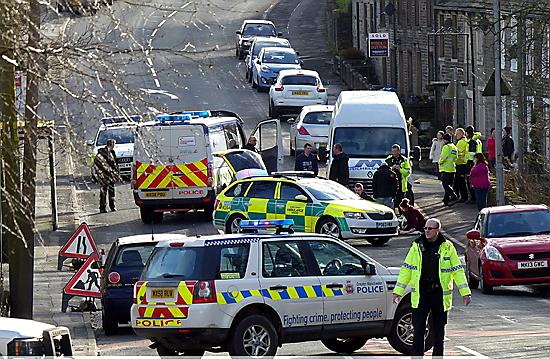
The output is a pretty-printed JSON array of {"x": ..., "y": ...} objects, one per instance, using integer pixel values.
[{"x": 270, "y": 143}]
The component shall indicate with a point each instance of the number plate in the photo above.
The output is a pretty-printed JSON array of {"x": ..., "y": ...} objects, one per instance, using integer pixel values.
[
  {"x": 157, "y": 194},
  {"x": 124, "y": 165},
  {"x": 300, "y": 93},
  {"x": 532, "y": 265},
  {"x": 162, "y": 293},
  {"x": 385, "y": 224},
  {"x": 319, "y": 145}
]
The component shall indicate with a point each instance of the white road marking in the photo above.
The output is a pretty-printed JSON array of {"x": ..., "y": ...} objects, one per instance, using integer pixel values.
[
  {"x": 154, "y": 32},
  {"x": 507, "y": 319},
  {"x": 172, "y": 13},
  {"x": 150, "y": 62},
  {"x": 157, "y": 83},
  {"x": 471, "y": 351}
]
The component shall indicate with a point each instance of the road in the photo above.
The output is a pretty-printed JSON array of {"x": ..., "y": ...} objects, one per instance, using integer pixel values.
[{"x": 512, "y": 323}]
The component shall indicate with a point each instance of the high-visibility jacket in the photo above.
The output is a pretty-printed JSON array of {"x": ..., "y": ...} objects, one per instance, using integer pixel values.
[
  {"x": 405, "y": 170},
  {"x": 447, "y": 159},
  {"x": 474, "y": 146},
  {"x": 462, "y": 147},
  {"x": 450, "y": 268}
]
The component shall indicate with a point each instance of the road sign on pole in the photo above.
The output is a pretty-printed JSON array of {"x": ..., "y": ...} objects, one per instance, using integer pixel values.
[
  {"x": 84, "y": 283},
  {"x": 80, "y": 245}
]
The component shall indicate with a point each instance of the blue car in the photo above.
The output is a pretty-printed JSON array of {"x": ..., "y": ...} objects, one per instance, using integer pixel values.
[
  {"x": 258, "y": 44},
  {"x": 268, "y": 64}
]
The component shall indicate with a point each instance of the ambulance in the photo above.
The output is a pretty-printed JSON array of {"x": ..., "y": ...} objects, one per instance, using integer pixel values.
[{"x": 173, "y": 167}]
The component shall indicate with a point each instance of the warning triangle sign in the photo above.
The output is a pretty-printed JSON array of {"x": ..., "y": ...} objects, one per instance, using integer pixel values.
[
  {"x": 80, "y": 245},
  {"x": 85, "y": 282}
]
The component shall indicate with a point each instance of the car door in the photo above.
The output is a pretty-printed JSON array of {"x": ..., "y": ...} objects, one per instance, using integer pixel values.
[
  {"x": 259, "y": 200},
  {"x": 270, "y": 143},
  {"x": 292, "y": 204},
  {"x": 291, "y": 287},
  {"x": 474, "y": 247},
  {"x": 352, "y": 300}
]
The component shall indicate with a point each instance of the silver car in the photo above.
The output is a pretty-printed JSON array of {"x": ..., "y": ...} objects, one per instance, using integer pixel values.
[{"x": 311, "y": 126}]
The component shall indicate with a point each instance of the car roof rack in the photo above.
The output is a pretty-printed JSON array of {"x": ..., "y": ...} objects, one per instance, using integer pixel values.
[
  {"x": 293, "y": 174},
  {"x": 254, "y": 226}
]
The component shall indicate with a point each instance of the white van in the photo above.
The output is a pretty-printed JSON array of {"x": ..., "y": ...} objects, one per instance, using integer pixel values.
[
  {"x": 367, "y": 124},
  {"x": 173, "y": 168}
]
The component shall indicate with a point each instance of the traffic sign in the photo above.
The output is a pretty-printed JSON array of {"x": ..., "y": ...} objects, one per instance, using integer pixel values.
[
  {"x": 84, "y": 283},
  {"x": 80, "y": 245}
]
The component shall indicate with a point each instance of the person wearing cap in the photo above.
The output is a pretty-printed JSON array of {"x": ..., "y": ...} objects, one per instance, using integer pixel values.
[{"x": 447, "y": 169}]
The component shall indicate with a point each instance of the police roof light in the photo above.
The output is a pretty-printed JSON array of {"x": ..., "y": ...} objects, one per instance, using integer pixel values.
[
  {"x": 195, "y": 113},
  {"x": 120, "y": 119},
  {"x": 173, "y": 119},
  {"x": 281, "y": 225}
]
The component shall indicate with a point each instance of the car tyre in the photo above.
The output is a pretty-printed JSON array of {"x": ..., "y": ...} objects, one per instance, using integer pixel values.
[
  {"x": 233, "y": 223},
  {"x": 401, "y": 333},
  {"x": 110, "y": 326},
  {"x": 273, "y": 113},
  {"x": 253, "y": 83},
  {"x": 292, "y": 149},
  {"x": 146, "y": 214},
  {"x": 485, "y": 288},
  {"x": 163, "y": 351},
  {"x": 376, "y": 242},
  {"x": 249, "y": 76},
  {"x": 473, "y": 282},
  {"x": 252, "y": 328},
  {"x": 258, "y": 88},
  {"x": 345, "y": 346},
  {"x": 158, "y": 217},
  {"x": 330, "y": 227}
]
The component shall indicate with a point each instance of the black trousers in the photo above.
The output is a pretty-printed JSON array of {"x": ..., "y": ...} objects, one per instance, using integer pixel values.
[
  {"x": 104, "y": 190},
  {"x": 460, "y": 182},
  {"x": 447, "y": 179},
  {"x": 431, "y": 301}
]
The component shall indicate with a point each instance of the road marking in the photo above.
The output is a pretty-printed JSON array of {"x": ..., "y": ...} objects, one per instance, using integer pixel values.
[
  {"x": 172, "y": 13},
  {"x": 154, "y": 32},
  {"x": 507, "y": 319},
  {"x": 471, "y": 351}
]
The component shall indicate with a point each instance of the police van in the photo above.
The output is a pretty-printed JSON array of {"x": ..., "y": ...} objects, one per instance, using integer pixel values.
[
  {"x": 249, "y": 293},
  {"x": 173, "y": 158}
]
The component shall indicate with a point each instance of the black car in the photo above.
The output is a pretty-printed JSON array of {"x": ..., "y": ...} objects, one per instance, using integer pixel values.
[
  {"x": 121, "y": 270},
  {"x": 249, "y": 29}
]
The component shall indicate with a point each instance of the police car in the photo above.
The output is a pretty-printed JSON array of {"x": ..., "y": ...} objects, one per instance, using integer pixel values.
[
  {"x": 315, "y": 204},
  {"x": 250, "y": 293}
]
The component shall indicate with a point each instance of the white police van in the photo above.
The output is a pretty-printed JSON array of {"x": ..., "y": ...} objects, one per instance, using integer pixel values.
[{"x": 250, "y": 293}]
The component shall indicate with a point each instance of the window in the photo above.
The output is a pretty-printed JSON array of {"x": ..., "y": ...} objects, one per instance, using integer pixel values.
[
  {"x": 454, "y": 48},
  {"x": 419, "y": 75},
  {"x": 233, "y": 261},
  {"x": 546, "y": 52},
  {"x": 280, "y": 57},
  {"x": 366, "y": 22},
  {"x": 441, "y": 37},
  {"x": 428, "y": 13},
  {"x": 518, "y": 223},
  {"x": 243, "y": 160},
  {"x": 417, "y": 12},
  {"x": 262, "y": 189},
  {"x": 513, "y": 44},
  {"x": 382, "y": 13},
  {"x": 335, "y": 260},
  {"x": 120, "y": 135},
  {"x": 300, "y": 80},
  {"x": 283, "y": 259},
  {"x": 259, "y": 30},
  {"x": 369, "y": 142},
  {"x": 217, "y": 139},
  {"x": 232, "y": 138},
  {"x": 238, "y": 190},
  {"x": 318, "y": 118},
  {"x": 329, "y": 191},
  {"x": 134, "y": 255},
  {"x": 384, "y": 71},
  {"x": 410, "y": 72},
  {"x": 289, "y": 192},
  {"x": 372, "y": 17}
]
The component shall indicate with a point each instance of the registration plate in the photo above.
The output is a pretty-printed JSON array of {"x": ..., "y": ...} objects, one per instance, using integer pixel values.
[
  {"x": 162, "y": 293},
  {"x": 384, "y": 224},
  {"x": 156, "y": 194},
  {"x": 124, "y": 165},
  {"x": 319, "y": 145},
  {"x": 532, "y": 264},
  {"x": 300, "y": 93}
]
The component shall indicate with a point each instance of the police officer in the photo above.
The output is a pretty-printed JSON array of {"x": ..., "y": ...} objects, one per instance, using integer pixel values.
[
  {"x": 402, "y": 168},
  {"x": 107, "y": 173},
  {"x": 306, "y": 161},
  {"x": 447, "y": 169},
  {"x": 339, "y": 168},
  {"x": 461, "y": 165},
  {"x": 474, "y": 147},
  {"x": 430, "y": 268}
]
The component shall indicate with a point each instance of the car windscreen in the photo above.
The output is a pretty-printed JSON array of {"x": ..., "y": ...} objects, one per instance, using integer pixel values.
[
  {"x": 520, "y": 223},
  {"x": 134, "y": 255},
  {"x": 120, "y": 135},
  {"x": 329, "y": 190},
  {"x": 299, "y": 80},
  {"x": 369, "y": 142},
  {"x": 280, "y": 57},
  {"x": 260, "y": 45},
  {"x": 318, "y": 118},
  {"x": 243, "y": 160},
  {"x": 259, "y": 30}
]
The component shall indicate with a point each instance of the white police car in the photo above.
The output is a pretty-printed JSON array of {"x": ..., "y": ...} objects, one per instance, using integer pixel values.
[{"x": 250, "y": 293}]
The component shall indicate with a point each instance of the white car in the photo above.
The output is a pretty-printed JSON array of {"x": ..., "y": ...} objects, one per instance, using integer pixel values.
[
  {"x": 258, "y": 44},
  {"x": 295, "y": 89},
  {"x": 250, "y": 293},
  {"x": 311, "y": 126}
]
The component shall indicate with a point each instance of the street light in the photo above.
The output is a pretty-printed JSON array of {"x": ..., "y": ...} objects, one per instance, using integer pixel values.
[{"x": 390, "y": 11}]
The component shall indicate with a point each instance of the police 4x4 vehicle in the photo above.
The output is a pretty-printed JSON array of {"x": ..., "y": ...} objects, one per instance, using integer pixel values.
[{"x": 250, "y": 293}]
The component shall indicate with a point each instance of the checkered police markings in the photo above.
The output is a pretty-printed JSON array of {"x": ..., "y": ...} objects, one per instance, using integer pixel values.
[{"x": 221, "y": 242}]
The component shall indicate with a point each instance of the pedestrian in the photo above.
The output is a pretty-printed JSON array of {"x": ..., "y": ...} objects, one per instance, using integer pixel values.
[
  {"x": 491, "y": 149},
  {"x": 306, "y": 161},
  {"x": 384, "y": 185},
  {"x": 402, "y": 168},
  {"x": 435, "y": 151},
  {"x": 339, "y": 168},
  {"x": 415, "y": 219},
  {"x": 461, "y": 166},
  {"x": 450, "y": 130},
  {"x": 360, "y": 191},
  {"x": 251, "y": 144},
  {"x": 430, "y": 268},
  {"x": 507, "y": 146},
  {"x": 474, "y": 146},
  {"x": 479, "y": 180},
  {"x": 447, "y": 168},
  {"x": 107, "y": 174},
  {"x": 233, "y": 144}
]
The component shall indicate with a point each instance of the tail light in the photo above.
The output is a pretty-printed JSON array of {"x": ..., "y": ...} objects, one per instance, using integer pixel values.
[
  {"x": 302, "y": 130},
  {"x": 279, "y": 87},
  {"x": 209, "y": 174},
  {"x": 114, "y": 277},
  {"x": 321, "y": 89},
  {"x": 204, "y": 292},
  {"x": 216, "y": 203},
  {"x": 133, "y": 180},
  {"x": 137, "y": 287}
]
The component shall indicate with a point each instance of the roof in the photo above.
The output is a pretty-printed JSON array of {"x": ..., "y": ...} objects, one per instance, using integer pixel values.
[
  {"x": 216, "y": 117},
  {"x": 317, "y": 108},
  {"x": 258, "y": 21},
  {"x": 279, "y": 49},
  {"x": 298, "y": 72},
  {"x": 372, "y": 97},
  {"x": 144, "y": 238},
  {"x": 278, "y": 40},
  {"x": 465, "y": 5},
  {"x": 516, "y": 208}
]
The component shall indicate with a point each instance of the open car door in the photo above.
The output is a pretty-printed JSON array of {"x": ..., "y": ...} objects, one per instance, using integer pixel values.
[{"x": 270, "y": 143}]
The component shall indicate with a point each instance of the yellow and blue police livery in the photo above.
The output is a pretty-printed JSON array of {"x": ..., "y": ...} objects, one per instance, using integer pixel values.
[
  {"x": 316, "y": 205},
  {"x": 249, "y": 293}
]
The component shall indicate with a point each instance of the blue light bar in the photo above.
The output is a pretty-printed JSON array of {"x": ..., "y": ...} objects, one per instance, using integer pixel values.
[
  {"x": 120, "y": 119},
  {"x": 266, "y": 223},
  {"x": 197, "y": 113},
  {"x": 173, "y": 119}
]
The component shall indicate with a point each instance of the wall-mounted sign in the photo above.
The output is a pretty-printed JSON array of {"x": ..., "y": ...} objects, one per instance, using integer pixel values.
[{"x": 379, "y": 44}]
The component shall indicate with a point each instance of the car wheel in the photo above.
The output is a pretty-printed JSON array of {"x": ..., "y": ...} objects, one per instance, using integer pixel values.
[
  {"x": 345, "y": 346},
  {"x": 273, "y": 110},
  {"x": 258, "y": 88},
  {"x": 110, "y": 326},
  {"x": 236, "y": 52},
  {"x": 254, "y": 336},
  {"x": 158, "y": 217},
  {"x": 401, "y": 333},
  {"x": 473, "y": 283},
  {"x": 249, "y": 76},
  {"x": 163, "y": 351},
  {"x": 292, "y": 150},
  {"x": 253, "y": 83},
  {"x": 485, "y": 288},
  {"x": 378, "y": 241},
  {"x": 146, "y": 214},
  {"x": 233, "y": 224},
  {"x": 330, "y": 227}
]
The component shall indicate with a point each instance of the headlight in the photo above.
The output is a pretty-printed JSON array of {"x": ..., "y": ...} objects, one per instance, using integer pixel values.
[
  {"x": 354, "y": 215},
  {"x": 26, "y": 347},
  {"x": 265, "y": 68},
  {"x": 493, "y": 254}
]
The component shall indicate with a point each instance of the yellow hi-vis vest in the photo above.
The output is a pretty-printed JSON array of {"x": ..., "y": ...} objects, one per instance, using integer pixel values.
[
  {"x": 405, "y": 170},
  {"x": 447, "y": 160},
  {"x": 474, "y": 141},
  {"x": 462, "y": 147},
  {"x": 450, "y": 269}
]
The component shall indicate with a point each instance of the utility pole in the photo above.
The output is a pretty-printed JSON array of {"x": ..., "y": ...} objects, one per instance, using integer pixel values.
[
  {"x": 498, "y": 106},
  {"x": 455, "y": 100}
]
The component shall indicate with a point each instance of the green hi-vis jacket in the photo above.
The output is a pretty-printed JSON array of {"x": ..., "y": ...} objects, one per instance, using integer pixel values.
[{"x": 450, "y": 269}]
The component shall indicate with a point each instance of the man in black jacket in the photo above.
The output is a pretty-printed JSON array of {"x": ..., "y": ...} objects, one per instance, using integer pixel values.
[
  {"x": 384, "y": 185},
  {"x": 106, "y": 170},
  {"x": 339, "y": 170},
  {"x": 306, "y": 161},
  {"x": 251, "y": 144}
]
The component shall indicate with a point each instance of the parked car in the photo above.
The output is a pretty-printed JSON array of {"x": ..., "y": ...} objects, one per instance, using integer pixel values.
[
  {"x": 258, "y": 43},
  {"x": 249, "y": 29},
  {"x": 270, "y": 61},
  {"x": 311, "y": 126},
  {"x": 29, "y": 338},
  {"x": 509, "y": 245},
  {"x": 236, "y": 164},
  {"x": 295, "y": 89}
]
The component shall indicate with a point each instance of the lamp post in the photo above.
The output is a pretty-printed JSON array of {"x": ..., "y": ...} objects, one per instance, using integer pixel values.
[
  {"x": 391, "y": 12},
  {"x": 498, "y": 107}
]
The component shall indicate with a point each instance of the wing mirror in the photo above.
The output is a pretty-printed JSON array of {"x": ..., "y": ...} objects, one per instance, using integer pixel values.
[
  {"x": 301, "y": 63},
  {"x": 279, "y": 34},
  {"x": 257, "y": 61},
  {"x": 369, "y": 268},
  {"x": 89, "y": 142},
  {"x": 473, "y": 234},
  {"x": 291, "y": 120},
  {"x": 238, "y": 32},
  {"x": 301, "y": 198}
]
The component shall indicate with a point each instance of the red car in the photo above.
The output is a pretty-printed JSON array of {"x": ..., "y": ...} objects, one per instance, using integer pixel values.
[{"x": 509, "y": 245}]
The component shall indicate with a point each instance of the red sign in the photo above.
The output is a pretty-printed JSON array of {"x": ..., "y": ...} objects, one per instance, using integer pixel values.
[
  {"x": 85, "y": 282},
  {"x": 80, "y": 245}
]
